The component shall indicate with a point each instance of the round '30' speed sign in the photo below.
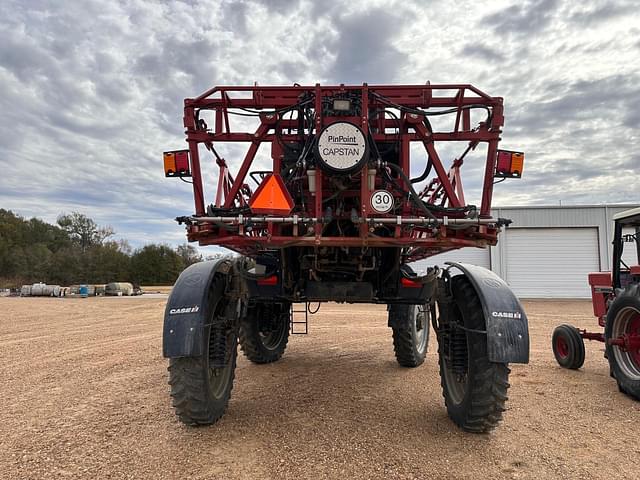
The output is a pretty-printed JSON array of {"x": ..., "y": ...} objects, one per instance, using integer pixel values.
[{"x": 381, "y": 201}]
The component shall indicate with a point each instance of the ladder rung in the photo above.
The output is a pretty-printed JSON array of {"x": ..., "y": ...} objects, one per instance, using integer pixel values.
[{"x": 293, "y": 322}]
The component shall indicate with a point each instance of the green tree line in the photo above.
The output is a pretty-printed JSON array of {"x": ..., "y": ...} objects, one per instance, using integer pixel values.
[{"x": 77, "y": 250}]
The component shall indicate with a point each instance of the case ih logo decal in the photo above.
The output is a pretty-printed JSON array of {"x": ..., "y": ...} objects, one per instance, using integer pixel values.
[
  {"x": 514, "y": 315},
  {"x": 177, "y": 311}
]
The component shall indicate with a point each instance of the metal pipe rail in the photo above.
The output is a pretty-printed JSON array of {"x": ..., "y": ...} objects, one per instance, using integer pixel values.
[{"x": 386, "y": 220}]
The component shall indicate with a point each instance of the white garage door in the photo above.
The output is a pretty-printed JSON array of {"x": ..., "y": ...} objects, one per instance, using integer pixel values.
[
  {"x": 475, "y": 256},
  {"x": 550, "y": 262}
]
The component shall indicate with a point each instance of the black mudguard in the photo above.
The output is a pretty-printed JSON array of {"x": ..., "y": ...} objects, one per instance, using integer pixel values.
[
  {"x": 506, "y": 320},
  {"x": 186, "y": 310}
]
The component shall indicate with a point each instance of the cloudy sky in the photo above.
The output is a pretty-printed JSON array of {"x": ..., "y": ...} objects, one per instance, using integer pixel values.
[{"x": 91, "y": 91}]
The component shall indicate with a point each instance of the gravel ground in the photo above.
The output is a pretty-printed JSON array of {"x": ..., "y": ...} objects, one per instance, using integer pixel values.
[{"x": 85, "y": 395}]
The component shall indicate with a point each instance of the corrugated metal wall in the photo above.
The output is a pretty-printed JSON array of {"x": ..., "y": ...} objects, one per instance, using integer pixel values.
[{"x": 599, "y": 216}]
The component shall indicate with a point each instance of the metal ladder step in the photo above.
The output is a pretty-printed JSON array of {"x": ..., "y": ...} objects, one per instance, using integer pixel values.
[{"x": 294, "y": 320}]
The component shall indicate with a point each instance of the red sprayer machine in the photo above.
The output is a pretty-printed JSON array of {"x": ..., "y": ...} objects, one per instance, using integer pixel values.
[{"x": 323, "y": 207}]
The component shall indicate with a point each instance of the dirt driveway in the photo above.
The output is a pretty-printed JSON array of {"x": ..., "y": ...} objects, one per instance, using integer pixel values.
[{"x": 84, "y": 395}]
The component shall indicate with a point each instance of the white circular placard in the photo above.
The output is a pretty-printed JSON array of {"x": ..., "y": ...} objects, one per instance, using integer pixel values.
[
  {"x": 341, "y": 147},
  {"x": 381, "y": 201}
]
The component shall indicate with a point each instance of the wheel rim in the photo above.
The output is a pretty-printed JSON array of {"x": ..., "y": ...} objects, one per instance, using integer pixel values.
[
  {"x": 456, "y": 382},
  {"x": 420, "y": 327},
  {"x": 627, "y": 322},
  {"x": 219, "y": 378},
  {"x": 562, "y": 347},
  {"x": 273, "y": 339}
]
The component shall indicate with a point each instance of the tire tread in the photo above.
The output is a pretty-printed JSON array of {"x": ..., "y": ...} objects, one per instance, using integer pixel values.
[
  {"x": 189, "y": 392},
  {"x": 403, "y": 342},
  {"x": 251, "y": 345},
  {"x": 488, "y": 389},
  {"x": 626, "y": 385},
  {"x": 403, "y": 348},
  {"x": 188, "y": 381}
]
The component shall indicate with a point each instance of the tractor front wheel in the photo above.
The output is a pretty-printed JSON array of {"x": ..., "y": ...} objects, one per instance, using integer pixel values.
[
  {"x": 474, "y": 389},
  {"x": 568, "y": 347},
  {"x": 264, "y": 331},
  {"x": 622, "y": 336}
]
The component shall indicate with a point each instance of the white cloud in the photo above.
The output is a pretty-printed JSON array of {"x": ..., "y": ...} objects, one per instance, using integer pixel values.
[{"x": 91, "y": 92}]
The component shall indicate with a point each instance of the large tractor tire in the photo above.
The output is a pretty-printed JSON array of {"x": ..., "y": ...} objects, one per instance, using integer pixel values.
[
  {"x": 410, "y": 326},
  {"x": 201, "y": 386},
  {"x": 623, "y": 319},
  {"x": 568, "y": 347},
  {"x": 474, "y": 389},
  {"x": 264, "y": 331}
]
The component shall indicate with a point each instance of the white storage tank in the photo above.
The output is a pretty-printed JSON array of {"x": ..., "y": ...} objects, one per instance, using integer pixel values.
[
  {"x": 119, "y": 288},
  {"x": 37, "y": 289},
  {"x": 44, "y": 290}
]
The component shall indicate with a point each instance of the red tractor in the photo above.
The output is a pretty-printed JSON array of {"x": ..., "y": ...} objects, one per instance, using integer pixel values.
[
  {"x": 616, "y": 303},
  {"x": 335, "y": 215}
]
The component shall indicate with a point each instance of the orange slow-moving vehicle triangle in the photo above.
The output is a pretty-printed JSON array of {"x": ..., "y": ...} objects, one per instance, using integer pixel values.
[{"x": 271, "y": 197}]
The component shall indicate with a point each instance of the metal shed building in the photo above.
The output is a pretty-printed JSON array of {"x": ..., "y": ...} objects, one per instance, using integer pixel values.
[{"x": 548, "y": 251}]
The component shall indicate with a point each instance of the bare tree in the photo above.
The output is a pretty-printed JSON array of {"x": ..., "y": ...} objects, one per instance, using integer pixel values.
[
  {"x": 189, "y": 254},
  {"x": 83, "y": 230}
]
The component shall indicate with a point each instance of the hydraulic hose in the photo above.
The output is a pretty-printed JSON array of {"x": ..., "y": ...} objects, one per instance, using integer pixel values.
[
  {"x": 426, "y": 172},
  {"x": 414, "y": 196}
]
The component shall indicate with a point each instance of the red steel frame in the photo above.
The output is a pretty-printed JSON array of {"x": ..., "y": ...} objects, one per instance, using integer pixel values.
[{"x": 420, "y": 237}]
